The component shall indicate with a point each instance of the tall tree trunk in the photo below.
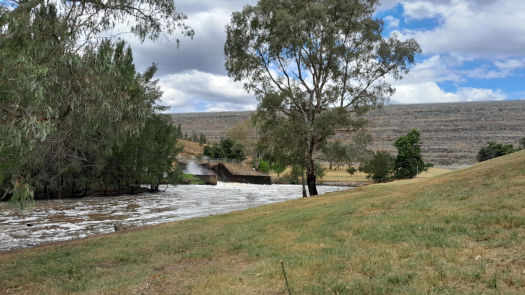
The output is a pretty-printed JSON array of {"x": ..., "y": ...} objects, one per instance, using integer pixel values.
[
  {"x": 302, "y": 182},
  {"x": 310, "y": 174}
]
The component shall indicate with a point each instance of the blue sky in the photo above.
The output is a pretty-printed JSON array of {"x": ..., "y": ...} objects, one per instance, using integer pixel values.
[{"x": 472, "y": 50}]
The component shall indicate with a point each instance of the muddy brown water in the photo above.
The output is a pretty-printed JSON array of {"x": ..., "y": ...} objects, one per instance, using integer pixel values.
[{"x": 65, "y": 219}]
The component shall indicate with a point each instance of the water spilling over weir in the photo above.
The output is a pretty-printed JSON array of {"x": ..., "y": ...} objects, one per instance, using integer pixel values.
[{"x": 204, "y": 175}]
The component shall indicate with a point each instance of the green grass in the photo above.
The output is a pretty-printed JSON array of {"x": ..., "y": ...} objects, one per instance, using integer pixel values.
[
  {"x": 190, "y": 179},
  {"x": 461, "y": 232}
]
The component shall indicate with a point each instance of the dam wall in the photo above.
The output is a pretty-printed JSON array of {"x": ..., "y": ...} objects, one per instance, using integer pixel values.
[{"x": 451, "y": 133}]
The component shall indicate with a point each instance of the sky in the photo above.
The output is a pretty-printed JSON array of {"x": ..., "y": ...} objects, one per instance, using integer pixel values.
[{"x": 473, "y": 50}]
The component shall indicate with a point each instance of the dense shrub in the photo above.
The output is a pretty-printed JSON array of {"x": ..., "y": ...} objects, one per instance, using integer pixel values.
[
  {"x": 379, "y": 167},
  {"x": 408, "y": 162},
  {"x": 351, "y": 170},
  {"x": 227, "y": 148},
  {"x": 494, "y": 150},
  {"x": 264, "y": 166}
]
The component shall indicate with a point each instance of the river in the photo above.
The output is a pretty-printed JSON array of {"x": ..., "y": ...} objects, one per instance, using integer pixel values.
[{"x": 65, "y": 219}]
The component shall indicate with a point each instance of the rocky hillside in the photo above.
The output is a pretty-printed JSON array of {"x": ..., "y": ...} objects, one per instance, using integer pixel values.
[{"x": 452, "y": 133}]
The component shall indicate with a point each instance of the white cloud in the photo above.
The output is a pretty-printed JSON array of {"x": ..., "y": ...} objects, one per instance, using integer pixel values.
[
  {"x": 387, "y": 4},
  {"x": 510, "y": 64},
  {"x": 485, "y": 29},
  {"x": 393, "y": 22},
  {"x": 224, "y": 107},
  {"x": 423, "y": 9},
  {"x": 193, "y": 77},
  {"x": 434, "y": 68},
  {"x": 188, "y": 91},
  {"x": 504, "y": 69},
  {"x": 430, "y": 92}
]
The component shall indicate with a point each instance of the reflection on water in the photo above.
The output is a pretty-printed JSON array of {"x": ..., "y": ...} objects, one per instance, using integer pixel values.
[{"x": 65, "y": 219}]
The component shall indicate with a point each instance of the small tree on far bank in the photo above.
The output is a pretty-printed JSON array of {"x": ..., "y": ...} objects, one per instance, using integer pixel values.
[
  {"x": 408, "y": 162},
  {"x": 379, "y": 167}
]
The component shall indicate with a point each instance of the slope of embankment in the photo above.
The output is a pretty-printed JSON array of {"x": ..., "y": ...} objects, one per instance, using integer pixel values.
[
  {"x": 451, "y": 133},
  {"x": 462, "y": 232}
]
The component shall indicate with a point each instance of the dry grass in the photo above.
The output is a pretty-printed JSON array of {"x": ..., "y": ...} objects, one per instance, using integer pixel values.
[
  {"x": 461, "y": 232},
  {"x": 342, "y": 176},
  {"x": 191, "y": 148}
]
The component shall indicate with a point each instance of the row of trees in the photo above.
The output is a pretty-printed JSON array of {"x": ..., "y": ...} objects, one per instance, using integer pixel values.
[
  {"x": 76, "y": 116},
  {"x": 226, "y": 149},
  {"x": 337, "y": 153},
  {"x": 201, "y": 138},
  {"x": 381, "y": 166}
]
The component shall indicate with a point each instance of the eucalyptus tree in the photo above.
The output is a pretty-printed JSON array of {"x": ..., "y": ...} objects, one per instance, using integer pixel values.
[
  {"x": 275, "y": 140},
  {"x": 323, "y": 61},
  {"x": 59, "y": 88},
  {"x": 39, "y": 37}
]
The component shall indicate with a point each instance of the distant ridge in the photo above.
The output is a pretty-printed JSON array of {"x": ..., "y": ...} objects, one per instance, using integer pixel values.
[{"x": 452, "y": 133}]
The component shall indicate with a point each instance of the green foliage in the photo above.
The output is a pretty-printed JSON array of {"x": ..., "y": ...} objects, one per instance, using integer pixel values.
[
  {"x": 264, "y": 166},
  {"x": 202, "y": 139},
  {"x": 380, "y": 167},
  {"x": 336, "y": 152},
  {"x": 190, "y": 179},
  {"x": 278, "y": 168},
  {"x": 227, "y": 148},
  {"x": 494, "y": 150},
  {"x": 319, "y": 170},
  {"x": 22, "y": 194},
  {"x": 351, "y": 170},
  {"x": 146, "y": 158},
  {"x": 314, "y": 66},
  {"x": 178, "y": 131},
  {"x": 65, "y": 115},
  {"x": 408, "y": 161}
]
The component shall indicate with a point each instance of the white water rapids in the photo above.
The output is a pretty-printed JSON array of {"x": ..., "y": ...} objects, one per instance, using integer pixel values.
[{"x": 66, "y": 219}]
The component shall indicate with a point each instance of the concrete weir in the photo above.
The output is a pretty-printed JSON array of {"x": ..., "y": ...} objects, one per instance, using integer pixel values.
[
  {"x": 209, "y": 173},
  {"x": 202, "y": 172},
  {"x": 210, "y": 178},
  {"x": 238, "y": 173}
]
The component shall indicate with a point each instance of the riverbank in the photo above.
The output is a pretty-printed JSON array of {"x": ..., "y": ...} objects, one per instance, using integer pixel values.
[{"x": 461, "y": 232}]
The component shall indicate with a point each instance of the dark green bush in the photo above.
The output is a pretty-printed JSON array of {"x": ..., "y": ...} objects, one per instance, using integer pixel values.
[
  {"x": 494, "y": 150},
  {"x": 379, "y": 167}
]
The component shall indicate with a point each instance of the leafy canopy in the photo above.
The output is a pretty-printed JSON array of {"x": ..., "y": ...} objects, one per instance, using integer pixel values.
[
  {"x": 316, "y": 63},
  {"x": 68, "y": 96},
  {"x": 408, "y": 160},
  {"x": 379, "y": 167}
]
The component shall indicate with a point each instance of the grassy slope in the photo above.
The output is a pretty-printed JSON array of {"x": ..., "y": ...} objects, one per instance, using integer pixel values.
[
  {"x": 191, "y": 148},
  {"x": 460, "y": 232}
]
